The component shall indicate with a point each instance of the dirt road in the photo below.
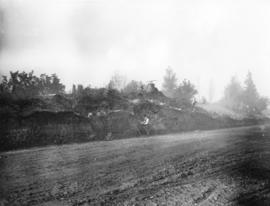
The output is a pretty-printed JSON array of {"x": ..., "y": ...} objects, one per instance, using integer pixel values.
[{"x": 221, "y": 167}]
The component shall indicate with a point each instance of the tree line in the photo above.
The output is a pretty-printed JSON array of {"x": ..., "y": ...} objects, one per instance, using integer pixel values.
[
  {"x": 183, "y": 93},
  {"x": 244, "y": 98},
  {"x": 28, "y": 85}
]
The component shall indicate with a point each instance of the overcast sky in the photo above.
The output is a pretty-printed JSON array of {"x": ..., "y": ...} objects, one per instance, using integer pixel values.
[{"x": 87, "y": 41}]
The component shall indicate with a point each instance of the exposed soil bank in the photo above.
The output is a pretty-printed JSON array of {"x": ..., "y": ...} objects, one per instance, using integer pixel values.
[{"x": 46, "y": 128}]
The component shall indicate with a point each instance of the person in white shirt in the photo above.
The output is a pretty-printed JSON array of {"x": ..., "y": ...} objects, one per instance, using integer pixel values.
[
  {"x": 145, "y": 120},
  {"x": 145, "y": 125}
]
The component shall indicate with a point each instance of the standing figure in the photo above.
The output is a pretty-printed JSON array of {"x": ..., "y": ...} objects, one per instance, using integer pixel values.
[{"x": 144, "y": 128}]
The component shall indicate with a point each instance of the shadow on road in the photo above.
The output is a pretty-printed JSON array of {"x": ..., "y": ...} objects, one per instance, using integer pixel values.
[{"x": 254, "y": 171}]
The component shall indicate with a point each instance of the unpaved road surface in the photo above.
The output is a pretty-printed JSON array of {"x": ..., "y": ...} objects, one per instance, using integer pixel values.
[{"x": 221, "y": 167}]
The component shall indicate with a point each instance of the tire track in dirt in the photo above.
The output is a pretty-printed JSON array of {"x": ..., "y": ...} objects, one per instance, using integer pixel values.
[{"x": 203, "y": 168}]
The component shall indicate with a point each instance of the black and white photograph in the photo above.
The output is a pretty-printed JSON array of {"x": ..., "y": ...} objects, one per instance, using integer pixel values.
[{"x": 134, "y": 103}]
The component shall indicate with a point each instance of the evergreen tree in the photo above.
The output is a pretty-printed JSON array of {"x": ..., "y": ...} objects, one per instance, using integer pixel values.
[
  {"x": 56, "y": 86},
  {"x": 117, "y": 82},
  {"x": 184, "y": 93},
  {"x": 132, "y": 88},
  {"x": 169, "y": 82},
  {"x": 245, "y": 99},
  {"x": 250, "y": 95},
  {"x": 233, "y": 94}
]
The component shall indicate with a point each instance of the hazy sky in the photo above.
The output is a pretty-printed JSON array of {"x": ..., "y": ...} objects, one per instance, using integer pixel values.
[{"x": 87, "y": 41}]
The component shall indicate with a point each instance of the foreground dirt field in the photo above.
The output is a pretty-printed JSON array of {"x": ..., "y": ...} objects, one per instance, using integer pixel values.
[{"x": 221, "y": 167}]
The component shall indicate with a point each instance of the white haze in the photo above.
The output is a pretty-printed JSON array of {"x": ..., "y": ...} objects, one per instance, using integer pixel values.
[{"x": 87, "y": 41}]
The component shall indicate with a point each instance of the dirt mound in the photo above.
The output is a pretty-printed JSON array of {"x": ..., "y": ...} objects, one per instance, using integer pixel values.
[{"x": 33, "y": 122}]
